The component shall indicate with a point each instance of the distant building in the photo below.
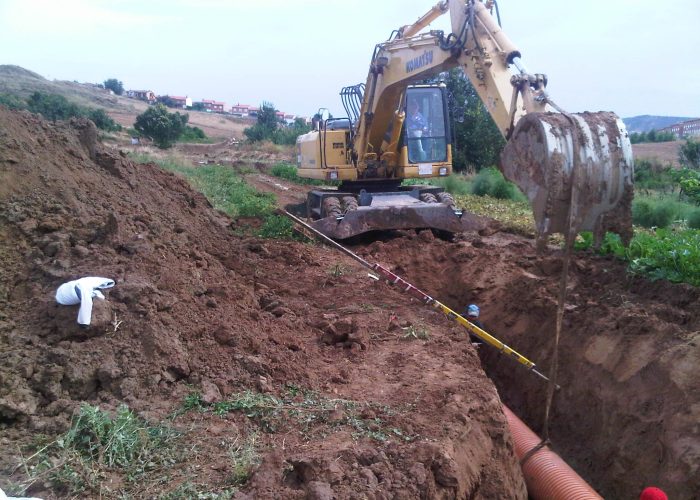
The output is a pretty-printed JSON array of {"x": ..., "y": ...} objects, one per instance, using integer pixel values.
[
  {"x": 241, "y": 110},
  {"x": 142, "y": 95},
  {"x": 684, "y": 129},
  {"x": 180, "y": 102},
  {"x": 213, "y": 106}
]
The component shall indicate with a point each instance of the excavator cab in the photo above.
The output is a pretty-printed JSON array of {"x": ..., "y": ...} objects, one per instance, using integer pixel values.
[{"x": 426, "y": 136}]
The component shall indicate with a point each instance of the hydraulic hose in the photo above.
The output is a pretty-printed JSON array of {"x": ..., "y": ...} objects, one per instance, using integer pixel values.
[{"x": 547, "y": 476}]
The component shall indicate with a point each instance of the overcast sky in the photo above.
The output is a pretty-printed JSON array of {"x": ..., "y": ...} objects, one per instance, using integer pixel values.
[{"x": 633, "y": 57}]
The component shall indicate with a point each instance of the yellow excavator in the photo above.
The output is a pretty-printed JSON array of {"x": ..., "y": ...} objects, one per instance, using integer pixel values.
[{"x": 576, "y": 169}]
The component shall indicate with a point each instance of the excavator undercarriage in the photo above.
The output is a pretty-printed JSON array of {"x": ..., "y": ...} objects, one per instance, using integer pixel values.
[{"x": 341, "y": 214}]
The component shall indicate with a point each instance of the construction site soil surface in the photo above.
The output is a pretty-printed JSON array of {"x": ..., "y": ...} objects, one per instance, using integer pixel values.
[{"x": 372, "y": 394}]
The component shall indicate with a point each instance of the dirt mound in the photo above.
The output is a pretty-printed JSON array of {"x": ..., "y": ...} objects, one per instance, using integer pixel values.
[
  {"x": 359, "y": 394},
  {"x": 627, "y": 415}
]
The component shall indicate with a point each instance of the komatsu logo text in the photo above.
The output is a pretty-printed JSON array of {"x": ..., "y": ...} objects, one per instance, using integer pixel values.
[{"x": 422, "y": 60}]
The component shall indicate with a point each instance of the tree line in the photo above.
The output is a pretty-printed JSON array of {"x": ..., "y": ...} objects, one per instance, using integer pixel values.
[{"x": 652, "y": 136}]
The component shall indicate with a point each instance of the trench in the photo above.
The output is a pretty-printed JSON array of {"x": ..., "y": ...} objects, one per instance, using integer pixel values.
[{"x": 609, "y": 420}]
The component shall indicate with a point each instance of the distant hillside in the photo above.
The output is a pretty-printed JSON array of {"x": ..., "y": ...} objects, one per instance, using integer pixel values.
[
  {"x": 645, "y": 123},
  {"x": 21, "y": 82}
]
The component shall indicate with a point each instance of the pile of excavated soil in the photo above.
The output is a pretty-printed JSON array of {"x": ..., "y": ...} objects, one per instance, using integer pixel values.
[{"x": 197, "y": 308}]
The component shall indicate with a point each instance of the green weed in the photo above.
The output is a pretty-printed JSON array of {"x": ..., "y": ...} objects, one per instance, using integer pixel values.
[
  {"x": 97, "y": 444},
  {"x": 338, "y": 270},
  {"x": 193, "y": 401},
  {"x": 290, "y": 173},
  {"x": 659, "y": 254},
  {"x": 279, "y": 227},
  {"x": 306, "y": 411},
  {"x": 244, "y": 459},
  {"x": 414, "y": 332}
]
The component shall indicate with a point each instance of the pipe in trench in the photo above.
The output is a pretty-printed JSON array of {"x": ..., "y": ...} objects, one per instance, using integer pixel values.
[{"x": 547, "y": 476}]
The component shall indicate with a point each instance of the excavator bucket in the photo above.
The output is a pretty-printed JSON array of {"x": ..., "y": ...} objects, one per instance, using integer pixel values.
[{"x": 577, "y": 171}]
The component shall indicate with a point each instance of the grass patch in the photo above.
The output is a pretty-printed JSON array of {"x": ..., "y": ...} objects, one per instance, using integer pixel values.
[
  {"x": 290, "y": 173},
  {"x": 279, "y": 227},
  {"x": 244, "y": 459},
  {"x": 516, "y": 216},
  {"x": 310, "y": 414},
  {"x": 227, "y": 191},
  {"x": 96, "y": 446}
]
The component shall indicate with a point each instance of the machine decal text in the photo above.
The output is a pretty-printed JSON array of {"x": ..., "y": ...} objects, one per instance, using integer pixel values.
[{"x": 418, "y": 62}]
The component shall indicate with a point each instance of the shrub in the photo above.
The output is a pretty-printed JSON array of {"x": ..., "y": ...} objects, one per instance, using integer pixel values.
[
  {"x": 650, "y": 175},
  {"x": 484, "y": 181},
  {"x": 193, "y": 134},
  {"x": 456, "y": 185},
  {"x": 52, "y": 106},
  {"x": 114, "y": 85},
  {"x": 490, "y": 182},
  {"x": 102, "y": 120},
  {"x": 160, "y": 125},
  {"x": 649, "y": 213},
  {"x": 56, "y": 107},
  {"x": 694, "y": 219},
  {"x": 689, "y": 154},
  {"x": 12, "y": 101}
]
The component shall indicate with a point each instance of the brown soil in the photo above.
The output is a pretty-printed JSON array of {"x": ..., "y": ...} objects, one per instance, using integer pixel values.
[
  {"x": 204, "y": 309},
  {"x": 664, "y": 153}
]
